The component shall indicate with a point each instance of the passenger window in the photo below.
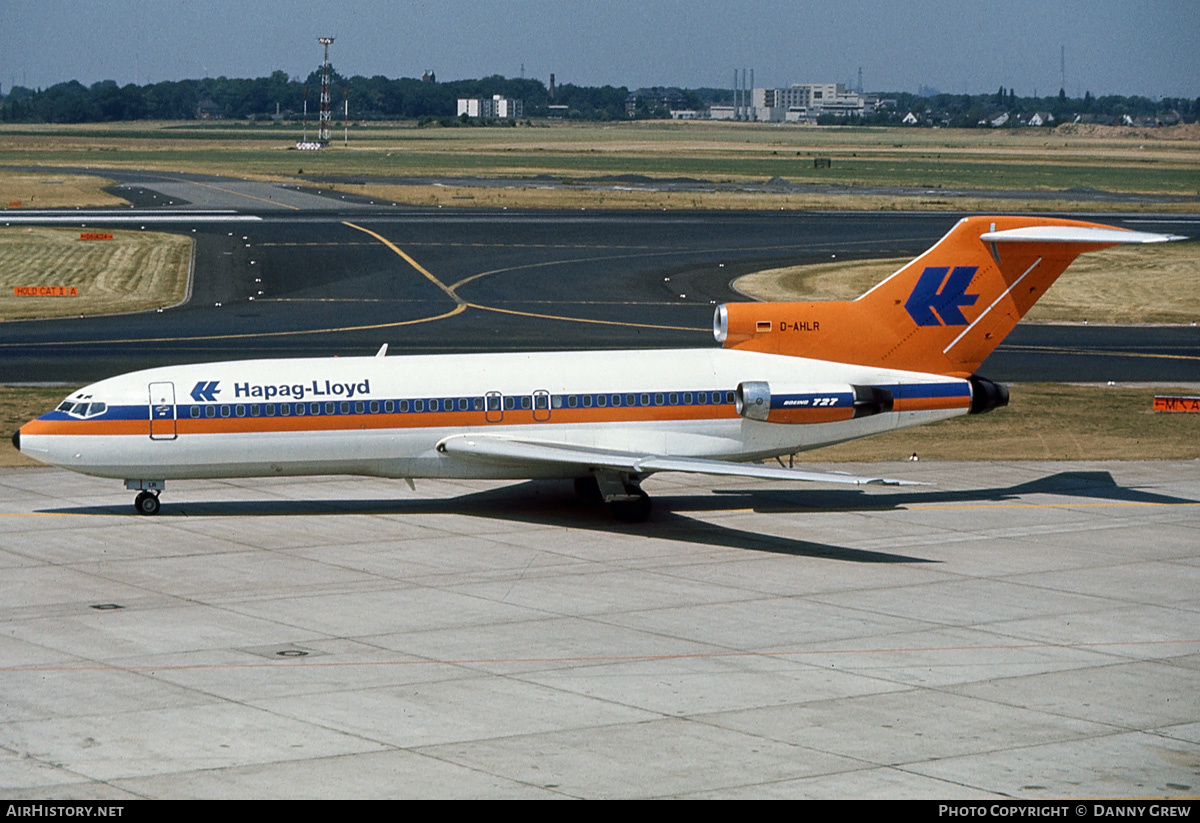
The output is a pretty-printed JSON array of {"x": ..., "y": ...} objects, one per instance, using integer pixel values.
[{"x": 195, "y": 411}]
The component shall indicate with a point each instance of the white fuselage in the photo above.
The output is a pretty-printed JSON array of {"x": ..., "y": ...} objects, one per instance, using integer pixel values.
[{"x": 385, "y": 416}]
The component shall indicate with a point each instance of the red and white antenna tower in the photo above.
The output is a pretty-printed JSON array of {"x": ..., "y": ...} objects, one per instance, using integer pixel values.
[{"x": 326, "y": 119}]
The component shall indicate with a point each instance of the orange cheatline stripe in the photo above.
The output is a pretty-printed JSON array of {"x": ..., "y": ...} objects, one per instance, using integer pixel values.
[{"x": 930, "y": 403}]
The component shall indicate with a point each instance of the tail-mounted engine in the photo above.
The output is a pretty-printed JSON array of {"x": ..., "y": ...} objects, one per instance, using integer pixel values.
[
  {"x": 809, "y": 402},
  {"x": 986, "y": 395}
]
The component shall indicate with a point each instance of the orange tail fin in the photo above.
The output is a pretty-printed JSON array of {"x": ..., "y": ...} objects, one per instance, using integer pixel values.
[{"x": 944, "y": 312}]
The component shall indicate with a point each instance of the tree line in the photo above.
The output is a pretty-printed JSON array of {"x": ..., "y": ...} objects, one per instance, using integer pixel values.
[{"x": 383, "y": 98}]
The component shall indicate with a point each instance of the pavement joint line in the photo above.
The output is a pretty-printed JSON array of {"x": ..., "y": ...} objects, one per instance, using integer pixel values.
[{"x": 630, "y": 658}]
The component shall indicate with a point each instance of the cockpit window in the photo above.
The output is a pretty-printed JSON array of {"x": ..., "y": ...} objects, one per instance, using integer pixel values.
[{"x": 82, "y": 410}]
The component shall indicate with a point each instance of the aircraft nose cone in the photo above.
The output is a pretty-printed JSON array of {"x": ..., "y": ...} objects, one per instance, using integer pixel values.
[{"x": 17, "y": 440}]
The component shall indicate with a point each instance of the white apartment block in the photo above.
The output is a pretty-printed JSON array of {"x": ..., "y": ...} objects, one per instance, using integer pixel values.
[{"x": 504, "y": 108}]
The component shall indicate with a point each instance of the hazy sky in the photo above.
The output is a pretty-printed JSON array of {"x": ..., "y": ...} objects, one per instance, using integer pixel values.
[{"x": 1147, "y": 47}]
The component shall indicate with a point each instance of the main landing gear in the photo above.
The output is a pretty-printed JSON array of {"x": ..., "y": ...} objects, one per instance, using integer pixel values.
[
  {"x": 622, "y": 493},
  {"x": 148, "y": 491},
  {"x": 146, "y": 503}
]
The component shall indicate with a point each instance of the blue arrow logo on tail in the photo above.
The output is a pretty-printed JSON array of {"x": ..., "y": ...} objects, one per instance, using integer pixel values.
[
  {"x": 932, "y": 295},
  {"x": 205, "y": 391}
]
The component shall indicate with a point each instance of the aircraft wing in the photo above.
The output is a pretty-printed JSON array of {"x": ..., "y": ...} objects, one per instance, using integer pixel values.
[{"x": 503, "y": 450}]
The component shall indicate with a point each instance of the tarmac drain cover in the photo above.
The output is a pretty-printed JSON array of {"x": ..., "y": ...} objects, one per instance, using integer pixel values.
[
  {"x": 286, "y": 650},
  {"x": 107, "y": 607}
]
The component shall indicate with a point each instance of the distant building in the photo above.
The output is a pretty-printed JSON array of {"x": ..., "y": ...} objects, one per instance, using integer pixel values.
[
  {"x": 496, "y": 107},
  {"x": 428, "y": 76},
  {"x": 805, "y": 102},
  {"x": 656, "y": 100},
  {"x": 1041, "y": 118},
  {"x": 209, "y": 109}
]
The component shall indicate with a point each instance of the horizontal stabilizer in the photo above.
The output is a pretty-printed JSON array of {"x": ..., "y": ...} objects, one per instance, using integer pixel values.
[
  {"x": 1075, "y": 234},
  {"x": 583, "y": 459}
]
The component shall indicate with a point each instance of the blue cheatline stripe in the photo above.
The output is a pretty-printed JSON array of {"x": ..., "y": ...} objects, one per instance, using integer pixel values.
[{"x": 918, "y": 391}]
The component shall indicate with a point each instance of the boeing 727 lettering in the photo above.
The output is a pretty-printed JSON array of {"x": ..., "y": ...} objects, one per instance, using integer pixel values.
[{"x": 788, "y": 377}]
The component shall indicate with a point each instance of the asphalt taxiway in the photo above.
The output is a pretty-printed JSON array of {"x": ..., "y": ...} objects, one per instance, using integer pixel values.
[
  {"x": 284, "y": 272},
  {"x": 1020, "y": 630}
]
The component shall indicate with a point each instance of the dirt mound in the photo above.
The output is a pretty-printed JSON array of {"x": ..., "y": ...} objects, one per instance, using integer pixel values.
[{"x": 1180, "y": 131}]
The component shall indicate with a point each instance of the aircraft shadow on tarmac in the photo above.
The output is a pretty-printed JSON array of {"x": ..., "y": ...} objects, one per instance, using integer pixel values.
[{"x": 547, "y": 503}]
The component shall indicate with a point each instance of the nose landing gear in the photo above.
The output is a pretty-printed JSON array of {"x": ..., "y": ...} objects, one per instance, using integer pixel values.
[{"x": 148, "y": 491}]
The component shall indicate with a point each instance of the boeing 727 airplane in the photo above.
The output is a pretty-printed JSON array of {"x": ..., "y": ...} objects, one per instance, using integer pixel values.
[{"x": 789, "y": 377}]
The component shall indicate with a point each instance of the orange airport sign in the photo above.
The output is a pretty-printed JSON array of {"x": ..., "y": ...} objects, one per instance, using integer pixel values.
[
  {"x": 95, "y": 235},
  {"x": 1176, "y": 404},
  {"x": 45, "y": 291}
]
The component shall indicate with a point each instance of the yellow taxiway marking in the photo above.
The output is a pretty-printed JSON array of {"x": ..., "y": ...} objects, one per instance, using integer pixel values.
[
  {"x": 449, "y": 291},
  {"x": 615, "y": 658}
]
